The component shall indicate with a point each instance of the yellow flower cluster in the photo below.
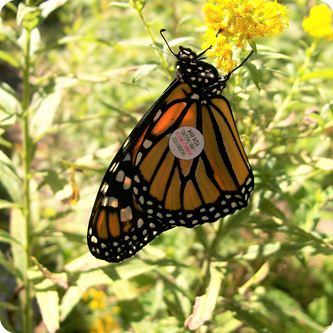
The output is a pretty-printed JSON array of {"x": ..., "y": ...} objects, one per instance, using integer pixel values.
[
  {"x": 318, "y": 24},
  {"x": 232, "y": 23},
  {"x": 104, "y": 324},
  {"x": 97, "y": 298}
]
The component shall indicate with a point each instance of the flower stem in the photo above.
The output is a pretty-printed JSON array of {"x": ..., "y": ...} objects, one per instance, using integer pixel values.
[
  {"x": 138, "y": 8},
  {"x": 27, "y": 323},
  {"x": 211, "y": 251}
]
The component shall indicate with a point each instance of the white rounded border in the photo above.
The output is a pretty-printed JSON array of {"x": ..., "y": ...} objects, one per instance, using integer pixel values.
[{"x": 186, "y": 143}]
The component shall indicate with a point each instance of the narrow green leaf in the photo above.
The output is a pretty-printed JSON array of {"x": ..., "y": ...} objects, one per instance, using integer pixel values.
[
  {"x": 287, "y": 307},
  {"x": 8, "y": 101},
  {"x": 8, "y": 32},
  {"x": 9, "y": 179},
  {"x": 49, "y": 6},
  {"x": 269, "y": 207},
  {"x": 9, "y": 266},
  {"x": 256, "y": 278},
  {"x": 143, "y": 326},
  {"x": 71, "y": 298},
  {"x": 48, "y": 302},
  {"x": 7, "y": 204},
  {"x": 4, "y": 321},
  {"x": 253, "y": 317},
  {"x": 273, "y": 55},
  {"x": 120, "y": 4},
  {"x": 326, "y": 73},
  {"x": 253, "y": 46},
  {"x": 319, "y": 310},
  {"x": 226, "y": 323},
  {"x": 43, "y": 118},
  {"x": 18, "y": 231},
  {"x": 9, "y": 306},
  {"x": 10, "y": 59},
  {"x": 5, "y": 237},
  {"x": 254, "y": 74},
  {"x": 205, "y": 305},
  {"x": 58, "y": 278},
  {"x": 143, "y": 71},
  {"x": 325, "y": 164}
]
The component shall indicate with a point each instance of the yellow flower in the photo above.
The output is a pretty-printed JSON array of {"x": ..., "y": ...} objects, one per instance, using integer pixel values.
[
  {"x": 105, "y": 324},
  {"x": 233, "y": 23},
  {"x": 318, "y": 24}
]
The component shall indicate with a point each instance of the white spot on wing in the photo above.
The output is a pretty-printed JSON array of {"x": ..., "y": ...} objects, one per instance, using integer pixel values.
[
  {"x": 104, "y": 188},
  {"x": 147, "y": 143},
  {"x": 158, "y": 114},
  {"x": 138, "y": 158},
  {"x": 120, "y": 176},
  {"x": 113, "y": 202},
  {"x": 127, "y": 183},
  {"x": 140, "y": 222},
  {"x": 126, "y": 214}
]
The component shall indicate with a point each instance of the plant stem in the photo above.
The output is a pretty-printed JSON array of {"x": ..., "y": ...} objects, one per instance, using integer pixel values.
[
  {"x": 210, "y": 253},
  {"x": 147, "y": 26},
  {"x": 27, "y": 161}
]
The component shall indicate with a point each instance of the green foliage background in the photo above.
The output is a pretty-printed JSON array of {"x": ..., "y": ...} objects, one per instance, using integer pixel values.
[{"x": 76, "y": 76}]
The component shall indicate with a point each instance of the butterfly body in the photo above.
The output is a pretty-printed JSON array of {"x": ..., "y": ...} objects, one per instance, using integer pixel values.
[{"x": 182, "y": 165}]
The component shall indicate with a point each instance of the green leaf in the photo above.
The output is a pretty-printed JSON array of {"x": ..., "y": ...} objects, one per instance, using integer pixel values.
[
  {"x": 254, "y": 74},
  {"x": 43, "y": 118},
  {"x": 319, "y": 310},
  {"x": 57, "y": 278},
  {"x": 48, "y": 302},
  {"x": 287, "y": 307},
  {"x": 273, "y": 55},
  {"x": 9, "y": 32},
  {"x": 253, "y": 46},
  {"x": 267, "y": 206},
  {"x": 326, "y": 74},
  {"x": 281, "y": 250},
  {"x": 226, "y": 323},
  {"x": 9, "y": 178},
  {"x": 28, "y": 16},
  {"x": 120, "y": 4},
  {"x": 18, "y": 231},
  {"x": 9, "y": 266},
  {"x": 71, "y": 298},
  {"x": 143, "y": 71},
  {"x": 53, "y": 179},
  {"x": 10, "y": 59},
  {"x": 256, "y": 278},
  {"x": 325, "y": 164},
  {"x": 7, "y": 204},
  {"x": 204, "y": 305},
  {"x": 253, "y": 317},
  {"x": 8, "y": 101},
  {"x": 5, "y": 237},
  {"x": 49, "y": 6}
]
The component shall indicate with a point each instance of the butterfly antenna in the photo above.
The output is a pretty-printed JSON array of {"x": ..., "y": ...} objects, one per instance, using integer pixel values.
[
  {"x": 243, "y": 62},
  {"x": 161, "y": 32},
  {"x": 203, "y": 52}
]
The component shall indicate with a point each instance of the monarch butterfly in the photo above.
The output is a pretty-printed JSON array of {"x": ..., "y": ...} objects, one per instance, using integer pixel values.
[{"x": 182, "y": 165}]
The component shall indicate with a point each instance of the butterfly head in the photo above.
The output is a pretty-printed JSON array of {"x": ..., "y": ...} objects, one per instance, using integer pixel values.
[{"x": 198, "y": 74}]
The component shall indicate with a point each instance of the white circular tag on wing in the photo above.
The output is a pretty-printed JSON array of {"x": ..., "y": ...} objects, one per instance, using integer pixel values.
[{"x": 186, "y": 143}]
